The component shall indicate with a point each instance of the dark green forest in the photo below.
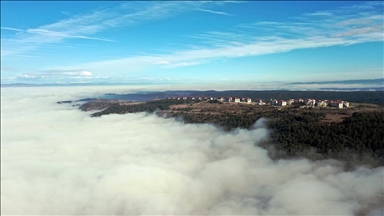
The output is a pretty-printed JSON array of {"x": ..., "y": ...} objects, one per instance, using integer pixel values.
[
  {"x": 150, "y": 106},
  {"x": 295, "y": 135},
  {"x": 361, "y": 135}
]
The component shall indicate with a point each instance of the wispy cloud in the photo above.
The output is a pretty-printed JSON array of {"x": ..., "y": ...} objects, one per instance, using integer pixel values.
[
  {"x": 345, "y": 26},
  {"x": 337, "y": 23},
  {"x": 204, "y": 55},
  {"x": 320, "y": 13},
  {"x": 62, "y": 35},
  {"x": 85, "y": 25},
  {"x": 11, "y": 29},
  {"x": 161, "y": 62},
  {"x": 299, "y": 33},
  {"x": 215, "y": 12},
  {"x": 53, "y": 75},
  {"x": 184, "y": 64},
  {"x": 79, "y": 27},
  {"x": 8, "y": 69}
]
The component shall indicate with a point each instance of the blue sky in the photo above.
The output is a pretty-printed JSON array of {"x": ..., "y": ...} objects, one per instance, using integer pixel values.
[{"x": 190, "y": 42}]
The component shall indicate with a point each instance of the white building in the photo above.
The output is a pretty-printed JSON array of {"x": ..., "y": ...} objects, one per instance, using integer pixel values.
[
  {"x": 282, "y": 103},
  {"x": 279, "y": 103},
  {"x": 338, "y": 104},
  {"x": 310, "y": 102},
  {"x": 321, "y": 103},
  {"x": 237, "y": 100},
  {"x": 249, "y": 100},
  {"x": 259, "y": 101},
  {"x": 290, "y": 101}
]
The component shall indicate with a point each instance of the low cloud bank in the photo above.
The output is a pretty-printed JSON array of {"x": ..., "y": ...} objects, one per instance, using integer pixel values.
[{"x": 58, "y": 160}]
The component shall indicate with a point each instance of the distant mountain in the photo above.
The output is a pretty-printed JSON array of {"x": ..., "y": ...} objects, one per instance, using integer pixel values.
[
  {"x": 335, "y": 85},
  {"x": 352, "y": 89},
  {"x": 361, "y": 81},
  {"x": 61, "y": 84}
]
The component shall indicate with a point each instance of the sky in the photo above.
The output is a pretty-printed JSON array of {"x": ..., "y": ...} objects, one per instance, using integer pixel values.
[
  {"x": 57, "y": 160},
  {"x": 202, "y": 42}
]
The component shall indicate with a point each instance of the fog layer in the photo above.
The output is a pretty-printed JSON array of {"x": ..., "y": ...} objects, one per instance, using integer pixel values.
[{"x": 58, "y": 160}]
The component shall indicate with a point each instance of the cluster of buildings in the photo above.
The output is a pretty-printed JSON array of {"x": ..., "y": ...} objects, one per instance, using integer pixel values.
[
  {"x": 307, "y": 102},
  {"x": 222, "y": 99},
  {"x": 312, "y": 103}
]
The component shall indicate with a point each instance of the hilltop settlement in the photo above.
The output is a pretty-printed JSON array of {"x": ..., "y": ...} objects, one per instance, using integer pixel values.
[{"x": 273, "y": 102}]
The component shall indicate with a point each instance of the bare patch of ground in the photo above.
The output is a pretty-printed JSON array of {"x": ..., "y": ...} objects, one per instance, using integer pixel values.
[
  {"x": 220, "y": 108},
  {"x": 335, "y": 117}
]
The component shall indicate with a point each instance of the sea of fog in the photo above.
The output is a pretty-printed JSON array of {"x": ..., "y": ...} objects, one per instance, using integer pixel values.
[{"x": 56, "y": 160}]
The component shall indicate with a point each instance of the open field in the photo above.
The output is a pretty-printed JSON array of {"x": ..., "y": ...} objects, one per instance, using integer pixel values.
[{"x": 330, "y": 114}]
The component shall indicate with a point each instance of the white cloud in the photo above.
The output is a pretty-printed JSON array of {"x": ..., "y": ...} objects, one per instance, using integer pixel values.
[
  {"x": 8, "y": 69},
  {"x": 161, "y": 62},
  {"x": 85, "y": 73},
  {"x": 197, "y": 56},
  {"x": 320, "y": 13},
  {"x": 275, "y": 37},
  {"x": 215, "y": 12},
  {"x": 184, "y": 64},
  {"x": 62, "y": 35},
  {"x": 54, "y": 75},
  {"x": 57, "y": 160},
  {"x": 335, "y": 27},
  {"x": 11, "y": 29},
  {"x": 84, "y": 25},
  {"x": 75, "y": 27}
]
